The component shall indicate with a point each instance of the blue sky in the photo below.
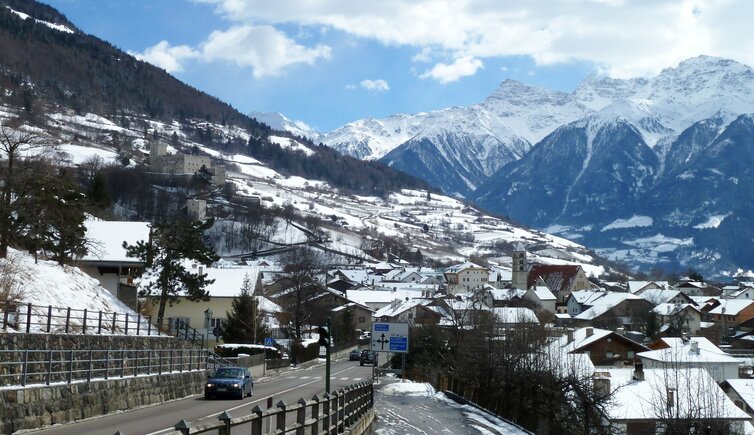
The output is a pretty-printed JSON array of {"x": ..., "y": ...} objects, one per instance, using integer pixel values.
[{"x": 329, "y": 62}]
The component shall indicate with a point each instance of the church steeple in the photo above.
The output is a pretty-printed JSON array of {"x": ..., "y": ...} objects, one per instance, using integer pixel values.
[{"x": 519, "y": 267}]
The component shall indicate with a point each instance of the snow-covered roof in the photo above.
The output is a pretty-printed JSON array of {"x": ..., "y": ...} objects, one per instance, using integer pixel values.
[
  {"x": 586, "y": 297},
  {"x": 515, "y": 315},
  {"x": 543, "y": 293},
  {"x": 684, "y": 353},
  {"x": 505, "y": 294},
  {"x": 635, "y": 286},
  {"x": 405, "y": 286},
  {"x": 365, "y": 297},
  {"x": 669, "y": 309},
  {"x": 463, "y": 266},
  {"x": 731, "y": 307},
  {"x": 581, "y": 338},
  {"x": 398, "y": 307},
  {"x": 604, "y": 304},
  {"x": 355, "y": 275},
  {"x": 107, "y": 239},
  {"x": 658, "y": 296},
  {"x": 228, "y": 281},
  {"x": 697, "y": 395},
  {"x": 744, "y": 388}
]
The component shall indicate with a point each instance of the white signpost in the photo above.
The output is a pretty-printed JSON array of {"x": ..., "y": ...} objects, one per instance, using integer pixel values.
[{"x": 390, "y": 337}]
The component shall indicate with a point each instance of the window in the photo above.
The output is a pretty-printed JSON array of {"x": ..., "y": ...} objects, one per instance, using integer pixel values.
[
  {"x": 609, "y": 355},
  {"x": 630, "y": 354},
  {"x": 410, "y": 315},
  {"x": 215, "y": 321},
  {"x": 361, "y": 320},
  {"x": 609, "y": 339}
]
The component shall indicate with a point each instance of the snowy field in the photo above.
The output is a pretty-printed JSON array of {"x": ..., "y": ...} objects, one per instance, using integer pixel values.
[{"x": 416, "y": 408}]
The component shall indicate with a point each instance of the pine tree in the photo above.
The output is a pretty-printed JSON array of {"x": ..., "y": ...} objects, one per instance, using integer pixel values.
[
  {"x": 245, "y": 323},
  {"x": 171, "y": 246}
]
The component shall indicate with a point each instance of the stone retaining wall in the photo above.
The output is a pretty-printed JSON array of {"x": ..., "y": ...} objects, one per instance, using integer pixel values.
[
  {"x": 34, "y": 407},
  {"x": 19, "y": 341}
]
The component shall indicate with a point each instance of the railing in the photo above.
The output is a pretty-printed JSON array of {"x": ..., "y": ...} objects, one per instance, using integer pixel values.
[
  {"x": 45, "y": 367},
  {"x": 181, "y": 329},
  {"x": 331, "y": 414},
  {"x": 37, "y": 318}
]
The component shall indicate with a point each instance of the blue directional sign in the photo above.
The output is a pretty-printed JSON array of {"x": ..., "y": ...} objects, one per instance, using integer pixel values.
[
  {"x": 390, "y": 337},
  {"x": 269, "y": 342}
]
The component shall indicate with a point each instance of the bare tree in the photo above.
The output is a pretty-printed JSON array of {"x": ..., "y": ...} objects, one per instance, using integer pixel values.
[
  {"x": 300, "y": 283},
  {"x": 13, "y": 143}
]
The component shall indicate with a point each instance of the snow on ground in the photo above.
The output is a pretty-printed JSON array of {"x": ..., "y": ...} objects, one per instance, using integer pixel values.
[
  {"x": 712, "y": 221},
  {"x": 291, "y": 144},
  {"x": 76, "y": 154},
  {"x": 49, "y": 284},
  {"x": 58, "y": 27},
  {"x": 632, "y": 222},
  {"x": 415, "y": 408}
]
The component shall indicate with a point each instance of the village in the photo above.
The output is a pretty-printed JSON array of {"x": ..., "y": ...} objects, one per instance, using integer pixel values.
[{"x": 681, "y": 343}]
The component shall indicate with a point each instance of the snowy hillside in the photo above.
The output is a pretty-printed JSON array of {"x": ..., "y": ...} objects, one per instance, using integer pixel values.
[{"x": 48, "y": 284}]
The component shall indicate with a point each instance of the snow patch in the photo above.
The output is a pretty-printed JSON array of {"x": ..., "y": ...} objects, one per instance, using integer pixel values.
[
  {"x": 632, "y": 222},
  {"x": 712, "y": 222}
]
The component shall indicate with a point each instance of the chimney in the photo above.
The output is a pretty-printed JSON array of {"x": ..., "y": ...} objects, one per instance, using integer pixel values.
[
  {"x": 569, "y": 331},
  {"x": 201, "y": 270},
  {"x": 695, "y": 347},
  {"x": 621, "y": 331},
  {"x": 639, "y": 371},
  {"x": 601, "y": 384},
  {"x": 589, "y": 331}
]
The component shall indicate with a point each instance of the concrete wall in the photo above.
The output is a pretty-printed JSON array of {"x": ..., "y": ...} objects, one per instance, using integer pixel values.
[{"x": 33, "y": 407}]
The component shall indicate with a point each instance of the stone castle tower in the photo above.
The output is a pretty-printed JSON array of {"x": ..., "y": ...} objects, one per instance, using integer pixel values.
[{"x": 519, "y": 267}]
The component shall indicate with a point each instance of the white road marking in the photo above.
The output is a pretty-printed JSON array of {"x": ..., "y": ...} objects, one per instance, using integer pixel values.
[{"x": 253, "y": 401}]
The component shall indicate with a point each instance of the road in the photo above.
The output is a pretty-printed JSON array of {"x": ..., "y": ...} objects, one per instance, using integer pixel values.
[{"x": 156, "y": 419}]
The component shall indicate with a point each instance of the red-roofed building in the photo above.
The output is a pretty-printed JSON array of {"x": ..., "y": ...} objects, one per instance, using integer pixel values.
[{"x": 560, "y": 279}]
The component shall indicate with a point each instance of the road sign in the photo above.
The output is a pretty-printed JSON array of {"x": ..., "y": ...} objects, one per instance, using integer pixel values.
[
  {"x": 269, "y": 342},
  {"x": 390, "y": 337}
]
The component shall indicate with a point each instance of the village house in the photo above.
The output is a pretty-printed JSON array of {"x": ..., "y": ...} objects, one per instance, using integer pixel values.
[
  {"x": 361, "y": 316},
  {"x": 741, "y": 392},
  {"x": 466, "y": 276},
  {"x": 732, "y": 312},
  {"x": 413, "y": 311},
  {"x": 644, "y": 400},
  {"x": 107, "y": 261},
  {"x": 638, "y": 287},
  {"x": 542, "y": 296},
  {"x": 604, "y": 347},
  {"x": 679, "y": 319},
  {"x": 692, "y": 352}
]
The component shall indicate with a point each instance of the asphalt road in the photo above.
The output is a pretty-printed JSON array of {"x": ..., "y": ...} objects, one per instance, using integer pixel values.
[{"x": 289, "y": 387}]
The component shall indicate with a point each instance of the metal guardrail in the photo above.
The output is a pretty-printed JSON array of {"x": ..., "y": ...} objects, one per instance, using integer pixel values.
[
  {"x": 45, "y": 367},
  {"x": 330, "y": 414},
  {"x": 37, "y": 318}
]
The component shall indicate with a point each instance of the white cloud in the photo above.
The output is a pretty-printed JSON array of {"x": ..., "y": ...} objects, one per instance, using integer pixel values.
[
  {"x": 165, "y": 56},
  {"x": 378, "y": 85},
  {"x": 624, "y": 38},
  {"x": 462, "y": 67},
  {"x": 263, "y": 48}
]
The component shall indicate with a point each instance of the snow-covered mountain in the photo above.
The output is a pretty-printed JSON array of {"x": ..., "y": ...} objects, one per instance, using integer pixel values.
[
  {"x": 278, "y": 121},
  {"x": 659, "y": 178}
]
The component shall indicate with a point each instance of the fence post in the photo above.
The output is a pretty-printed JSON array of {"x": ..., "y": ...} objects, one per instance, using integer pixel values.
[
  {"x": 107, "y": 363},
  {"x": 113, "y": 328},
  {"x": 136, "y": 362},
  {"x": 181, "y": 360},
  {"x": 26, "y": 362},
  {"x": 171, "y": 361},
  {"x": 256, "y": 421},
  {"x": 301, "y": 416},
  {"x": 149, "y": 325},
  {"x": 326, "y": 413},
  {"x": 28, "y": 317},
  {"x": 183, "y": 427},
  {"x": 49, "y": 317},
  {"x": 225, "y": 419},
  {"x": 67, "y": 318},
  {"x": 99, "y": 323},
  {"x": 126, "y": 324},
  {"x": 49, "y": 367},
  {"x": 89, "y": 373},
  {"x": 280, "y": 423},
  {"x": 5, "y": 317},
  {"x": 138, "y": 323},
  {"x": 122, "y": 362},
  {"x": 83, "y": 327},
  {"x": 70, "y": 367},
  {"x": 342, "y": 412},
  {"x": 159, "y": 361},
  {"x": 191, "y": 359},
  {"x": 315, "y": 416}
]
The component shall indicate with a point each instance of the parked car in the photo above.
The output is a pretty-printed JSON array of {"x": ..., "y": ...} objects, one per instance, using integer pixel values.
[
  {"x": 368, "y": 357},
  {"x": 231, "y": 381},
  {"x": 355, "y": 355}
]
